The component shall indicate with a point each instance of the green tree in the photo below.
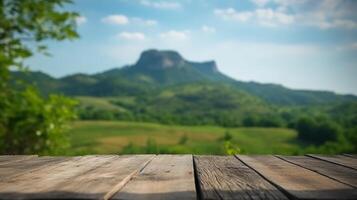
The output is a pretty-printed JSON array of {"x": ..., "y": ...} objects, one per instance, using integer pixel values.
[
  {"x": 317, "y": 132},
  {"x": 30, "y": 123}
]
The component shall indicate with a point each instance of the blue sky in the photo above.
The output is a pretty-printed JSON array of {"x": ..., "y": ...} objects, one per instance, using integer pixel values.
[{"x": 302, "y": 44}]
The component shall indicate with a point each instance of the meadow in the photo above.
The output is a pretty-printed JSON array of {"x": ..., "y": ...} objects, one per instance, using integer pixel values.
[{"x": 117, "y": 137}]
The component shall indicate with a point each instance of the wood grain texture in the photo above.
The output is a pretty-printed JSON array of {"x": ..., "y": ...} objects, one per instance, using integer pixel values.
[
  {"x": 15, "y": 158},
  {"x": 10, "y": 170},
  {"x": 299, "y": 182},
  {"x": 351, "y": 155},
  {"x": 101, "y": 182},
  {"x": 225, "y": 177},
  {"x": 337, "y": 172},
  {"x": 172, "y": 177},
  {"x": 42, "y": 183},
  {"x": 337, "y": 159},
  {"x": 165, "y": 177}
]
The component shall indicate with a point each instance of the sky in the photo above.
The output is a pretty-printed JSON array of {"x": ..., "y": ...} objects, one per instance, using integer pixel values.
[{"x": 301, "y": 44}]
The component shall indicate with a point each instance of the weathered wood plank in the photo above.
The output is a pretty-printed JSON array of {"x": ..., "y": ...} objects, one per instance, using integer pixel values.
[
  {"x": 351, "y": 155},
  {"x": 299, "y": 182},
  {"x": 165, "y": 177},
  {"x": 337, "y": 159},
  {"x": 14, "y": 158},
  {"x": 101, "y": 182},
  {"x": 11, "y": 169},
  {"x": 225, "y": 177},
  {"x": 42, "y": 182},
  {"x": 337, "y": 172}
]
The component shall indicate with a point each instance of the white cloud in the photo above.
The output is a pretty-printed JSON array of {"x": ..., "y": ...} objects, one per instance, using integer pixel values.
[
  {"x": 151, "y": 22},
  {"x": 232, "y": 14},
  {"x": 208, "y": 29},
  {"x": 175, "y": 35},
  {"x": 272, "y": 18},
  {"x": 260, "y": 3},
  {"x": 116, "y": 19},
  {"x": 132, "y": 36},
  {"x": 145, "y": 22},
  {"x": 81, "y": 20},
  {"x": 122, "y": 20},
  {"x": 167, "y": 5},
  {"x": 263, "y": 16},
  {"x": 323, "y": 14}
]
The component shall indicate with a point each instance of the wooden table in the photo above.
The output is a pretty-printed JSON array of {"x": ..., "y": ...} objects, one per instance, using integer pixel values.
[{"x": 179, "y": 177}]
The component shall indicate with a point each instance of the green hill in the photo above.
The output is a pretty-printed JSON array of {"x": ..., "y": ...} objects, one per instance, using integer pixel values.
[
  {"x": 156, "y": 70},
  {"x": 196, "y": 103}
]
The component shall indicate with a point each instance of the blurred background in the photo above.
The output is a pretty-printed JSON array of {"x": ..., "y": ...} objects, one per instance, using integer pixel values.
[{"x": 178, "y": 76}]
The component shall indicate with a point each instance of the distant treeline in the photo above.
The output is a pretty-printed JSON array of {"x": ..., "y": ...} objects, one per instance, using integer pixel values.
[{"x": 333, "y": 127}]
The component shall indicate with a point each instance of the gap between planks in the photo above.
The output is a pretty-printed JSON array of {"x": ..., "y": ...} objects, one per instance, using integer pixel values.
[
  {"x": 331, "y": 170},
  {"x": 198, "y": 188},
  {"x": 226, "y": 177},
  {"x": 122, "y": 183},
  {"x": 281, "y": 189},
  {"x": 344, "y": 161},
  {"x": 165, "y": 177},
  {"x": 351, "y": 155}
]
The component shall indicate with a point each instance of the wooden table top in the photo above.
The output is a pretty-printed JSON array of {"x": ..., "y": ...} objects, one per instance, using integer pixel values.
[{"x": 179, "y": 177}]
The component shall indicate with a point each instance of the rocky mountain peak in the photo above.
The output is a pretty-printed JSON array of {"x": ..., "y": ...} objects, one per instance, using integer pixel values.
[{"x": 155, "y": 59}]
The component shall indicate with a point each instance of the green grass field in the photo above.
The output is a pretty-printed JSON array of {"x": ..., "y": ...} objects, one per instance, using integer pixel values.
[
  {"x": 100, "y": 103},
  {"x": 113, "y": 137}
]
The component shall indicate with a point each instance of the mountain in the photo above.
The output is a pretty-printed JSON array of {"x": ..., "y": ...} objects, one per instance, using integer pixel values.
[
  {"x": 162, "y": 68},
  {"x": 157, "y": 71}
]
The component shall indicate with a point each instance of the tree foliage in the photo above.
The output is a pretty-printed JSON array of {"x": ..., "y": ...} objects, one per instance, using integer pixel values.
[
  {"x": 30, "y": 123},
  {"x": 25, "y": 25},
  {"x": 317, "y": 132}
]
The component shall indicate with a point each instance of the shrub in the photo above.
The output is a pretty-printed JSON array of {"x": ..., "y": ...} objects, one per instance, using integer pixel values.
[
  {"x": 231, "y": 149},
  {"x": 31, "y": 124},
  {"x": 317, "y": 132}
]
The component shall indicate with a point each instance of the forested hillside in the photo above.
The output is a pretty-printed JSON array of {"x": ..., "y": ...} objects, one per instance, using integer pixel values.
[
  {"x": 156, "y": 70},
  {"x": 165, "y": 88}
]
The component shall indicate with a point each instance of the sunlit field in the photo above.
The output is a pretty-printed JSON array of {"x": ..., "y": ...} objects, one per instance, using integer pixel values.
[{"x": 104, "y": 137}]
